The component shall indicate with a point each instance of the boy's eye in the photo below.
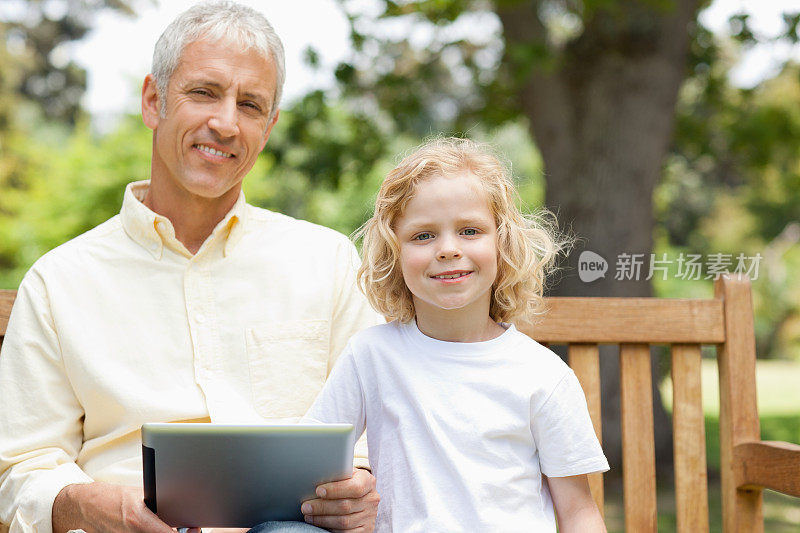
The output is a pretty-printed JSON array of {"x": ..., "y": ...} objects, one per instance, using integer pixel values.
[
  {"x": 423, "y": 236},
  {"x": 470, "y": 231}
]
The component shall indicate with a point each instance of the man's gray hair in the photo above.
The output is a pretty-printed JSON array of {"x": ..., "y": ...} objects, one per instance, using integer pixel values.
[{"x": 215, "y": 21}]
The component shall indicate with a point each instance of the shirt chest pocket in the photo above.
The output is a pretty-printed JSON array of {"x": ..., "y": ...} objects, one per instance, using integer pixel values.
[{"x": 288, "y": 364}]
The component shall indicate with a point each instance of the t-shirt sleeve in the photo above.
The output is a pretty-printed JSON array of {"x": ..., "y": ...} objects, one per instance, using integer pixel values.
[
  {"x": 563, "y": 432},
  {"x": 341, "y": 400}
]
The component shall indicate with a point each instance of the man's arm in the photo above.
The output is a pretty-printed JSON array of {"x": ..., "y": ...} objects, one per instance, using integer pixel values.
[
  {"x": 351, "y": 310},
  {"x": 575, "y": 508},
  {"x": 104, "y": 507},
  {"x": 39, "y": 413}
]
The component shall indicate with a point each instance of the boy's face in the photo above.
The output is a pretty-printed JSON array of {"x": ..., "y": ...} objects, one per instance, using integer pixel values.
[{"x": 448, "y": 247}]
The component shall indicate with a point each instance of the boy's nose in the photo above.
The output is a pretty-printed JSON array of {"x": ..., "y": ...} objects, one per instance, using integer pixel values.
[
  {"x": 448, "y": 247},
  {"x": 451, "y": 253}
]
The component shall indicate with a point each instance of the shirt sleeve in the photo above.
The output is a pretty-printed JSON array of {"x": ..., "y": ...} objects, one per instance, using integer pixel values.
[
  {"x": 352, "y": 313},
  {"x": 40, "y": 417},
  {"x": 563, "y": 432}
]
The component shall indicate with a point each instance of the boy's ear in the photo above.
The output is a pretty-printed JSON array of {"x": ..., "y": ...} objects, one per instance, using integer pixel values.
[{"x": 151, "y": 103}]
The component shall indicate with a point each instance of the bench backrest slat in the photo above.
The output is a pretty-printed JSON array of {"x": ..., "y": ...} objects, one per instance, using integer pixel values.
[
  {"x": 631, "y": 320},
  {"x": 585, "y": 362},
  {"x": 6, "y": 301},
  {"x": 638, "y": 440},
  {"x": 689, "y": 440}
]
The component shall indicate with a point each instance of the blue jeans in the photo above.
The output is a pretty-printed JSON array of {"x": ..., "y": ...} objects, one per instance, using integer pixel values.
[{"x": 285, "y": 527}]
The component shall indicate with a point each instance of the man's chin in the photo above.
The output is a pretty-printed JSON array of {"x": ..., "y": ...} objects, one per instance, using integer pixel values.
[{"x": 212, "y": 190}]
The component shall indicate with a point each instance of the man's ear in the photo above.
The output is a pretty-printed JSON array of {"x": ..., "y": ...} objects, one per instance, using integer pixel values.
[
  {"x": 151, "y": 103},
  {"x": 269, "y": 129}
]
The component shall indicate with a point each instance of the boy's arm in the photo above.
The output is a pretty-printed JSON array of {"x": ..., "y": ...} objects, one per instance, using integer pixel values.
[{"x": 575, "y": 508}]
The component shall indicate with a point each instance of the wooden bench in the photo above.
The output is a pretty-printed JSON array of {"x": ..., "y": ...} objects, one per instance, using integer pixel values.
[{"x": 747, "y": 464}]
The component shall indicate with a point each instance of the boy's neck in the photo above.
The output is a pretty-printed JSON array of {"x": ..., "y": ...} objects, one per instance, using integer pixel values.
[{"x": 457, "y": 326}]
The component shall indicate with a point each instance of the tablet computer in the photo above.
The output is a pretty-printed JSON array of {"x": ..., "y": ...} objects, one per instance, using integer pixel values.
[{"x": 213, "y": 475}]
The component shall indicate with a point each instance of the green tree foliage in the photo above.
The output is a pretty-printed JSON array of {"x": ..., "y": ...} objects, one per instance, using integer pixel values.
[
  {"x": 732, "y": 185},
  {"x": 34, "y": 34},
  {"x": 78, "y": 185},
  {"x": 40, "y": 93}
]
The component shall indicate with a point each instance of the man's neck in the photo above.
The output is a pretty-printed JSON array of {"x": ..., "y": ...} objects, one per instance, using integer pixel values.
[{"x": 193, "y": 217}]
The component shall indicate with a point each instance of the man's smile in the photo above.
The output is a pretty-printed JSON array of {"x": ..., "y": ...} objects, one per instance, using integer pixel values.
[{"x": 212, "y": 151}]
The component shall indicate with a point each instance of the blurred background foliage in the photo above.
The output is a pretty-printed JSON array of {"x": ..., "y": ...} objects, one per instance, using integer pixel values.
[{"x": 729, "y": 184}]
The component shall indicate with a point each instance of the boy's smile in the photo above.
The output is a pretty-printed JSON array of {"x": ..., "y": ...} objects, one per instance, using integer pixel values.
[
  {"x": 448, "y": 248},
  {"x": 452, "y": 276}
]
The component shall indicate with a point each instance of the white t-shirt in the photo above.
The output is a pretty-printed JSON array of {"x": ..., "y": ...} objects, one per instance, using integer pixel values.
[{"x": 460, "y": 433}]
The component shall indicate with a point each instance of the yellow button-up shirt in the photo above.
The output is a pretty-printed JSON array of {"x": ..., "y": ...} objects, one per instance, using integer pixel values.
[{"x": 123, "y": 326}]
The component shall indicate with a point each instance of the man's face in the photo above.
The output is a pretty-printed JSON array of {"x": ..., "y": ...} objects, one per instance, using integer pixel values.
[{"x": 217, "y": 118}]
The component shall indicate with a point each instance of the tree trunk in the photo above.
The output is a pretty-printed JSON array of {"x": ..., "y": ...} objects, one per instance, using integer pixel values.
[{"x": 601, "y": 111}]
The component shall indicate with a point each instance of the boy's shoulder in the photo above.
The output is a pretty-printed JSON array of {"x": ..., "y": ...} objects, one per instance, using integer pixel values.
[
  {"x": 530, "y": 353},
  {"x": 379, "y": 334}
]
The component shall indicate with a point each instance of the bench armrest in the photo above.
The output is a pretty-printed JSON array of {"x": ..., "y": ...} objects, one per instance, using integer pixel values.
[{"x": 770, "y": 464}]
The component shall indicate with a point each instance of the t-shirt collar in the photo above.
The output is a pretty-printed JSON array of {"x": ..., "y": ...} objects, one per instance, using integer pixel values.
[
  {"x": 154, "y": 232},
  {"x": 466, "y": 349}
]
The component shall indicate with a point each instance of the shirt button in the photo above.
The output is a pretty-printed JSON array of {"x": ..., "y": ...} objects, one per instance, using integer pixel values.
[
  {"x": 154, "y": 246},
  {"x": 200, "y": 318}
]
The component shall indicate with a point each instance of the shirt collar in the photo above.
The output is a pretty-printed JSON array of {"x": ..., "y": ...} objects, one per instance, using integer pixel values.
[{"x": 153, "y": 231}]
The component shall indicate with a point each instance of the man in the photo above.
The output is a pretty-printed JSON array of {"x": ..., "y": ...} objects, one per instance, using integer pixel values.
[{"x": 190, "y": 305}]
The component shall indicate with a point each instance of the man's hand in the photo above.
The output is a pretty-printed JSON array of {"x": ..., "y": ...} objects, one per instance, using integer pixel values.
[
  {"x": 104, "y": 507},
  {"x": 347, "y": 505}
]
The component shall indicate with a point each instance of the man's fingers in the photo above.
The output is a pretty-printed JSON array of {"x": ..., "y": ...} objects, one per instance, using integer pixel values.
[
  {"x": 347, "y": 505},
  {"x": 319, "y": 507},
  {"x": 349, "y": 523},
  {"x": 357, "y": 486}
]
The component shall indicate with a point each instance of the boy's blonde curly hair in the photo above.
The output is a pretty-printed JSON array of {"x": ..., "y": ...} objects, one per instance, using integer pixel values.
[{"x": 527, "y": 245}]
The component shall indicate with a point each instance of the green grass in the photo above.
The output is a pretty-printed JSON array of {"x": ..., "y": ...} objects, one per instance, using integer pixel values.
[
  {"x": 778, "y": 391},
  {"x": 781, "y": 512},
  {"x": 777, "y": 388}
]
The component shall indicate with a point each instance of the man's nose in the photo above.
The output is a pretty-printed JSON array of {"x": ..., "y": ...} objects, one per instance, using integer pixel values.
[{"x": 224, "y": 120}]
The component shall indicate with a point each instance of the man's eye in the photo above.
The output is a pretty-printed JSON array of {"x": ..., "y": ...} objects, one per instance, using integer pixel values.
[
  {"x": 201, "y": 92},
  {"x": 423, "y": 236},
  {"x": 251, "y": 105}
]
